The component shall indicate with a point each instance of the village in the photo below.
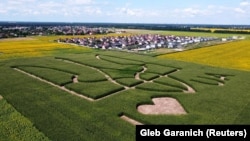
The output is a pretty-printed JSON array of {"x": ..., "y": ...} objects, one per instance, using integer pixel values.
[
  {"x": 36, "y": 30},
  {"x": 137, "y": 42}
]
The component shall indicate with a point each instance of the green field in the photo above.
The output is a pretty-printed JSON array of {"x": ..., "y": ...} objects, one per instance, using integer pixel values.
[{"x": 40, "y": 95}]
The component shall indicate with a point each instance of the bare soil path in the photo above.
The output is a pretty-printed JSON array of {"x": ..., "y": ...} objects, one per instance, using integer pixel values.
[
  {"x": 137, "y": 75},
  {"x": 130, "y": 120}
]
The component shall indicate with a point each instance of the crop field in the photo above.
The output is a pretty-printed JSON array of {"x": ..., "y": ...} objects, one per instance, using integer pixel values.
[
  {"x": 77, "y": 93},
  {"x": 18, "y": 127},
  {"x": 233, "y": 55},
  {"x": 221, "y": 29},
  {"x": 31, "y": 47},
  {"x": 38, "y": 46}
]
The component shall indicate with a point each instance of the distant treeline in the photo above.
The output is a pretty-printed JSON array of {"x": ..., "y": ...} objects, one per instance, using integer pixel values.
[
  {"x": 232, "y": 32},
  {"x": 239, "y": 29}
]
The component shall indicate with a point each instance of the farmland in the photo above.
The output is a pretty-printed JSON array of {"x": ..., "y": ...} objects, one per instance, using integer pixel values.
[
  {"x": 21, "y": 130},
  {"x": 66, "y": 92},
  {"x": 231, "y": 55}
]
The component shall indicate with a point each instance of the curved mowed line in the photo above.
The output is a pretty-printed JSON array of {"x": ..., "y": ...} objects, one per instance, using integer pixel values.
[{"x": 233, "y": 55}]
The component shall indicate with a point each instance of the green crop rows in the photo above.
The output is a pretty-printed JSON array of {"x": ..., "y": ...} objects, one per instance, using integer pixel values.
[
  {"x": 15, "y": 127},
  {"x": 108, "y": 78}
]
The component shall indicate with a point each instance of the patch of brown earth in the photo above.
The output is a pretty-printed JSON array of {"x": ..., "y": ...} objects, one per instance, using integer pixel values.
[
  {"x": 130, "y": 120},
  {"x": 98, "y": 57},
  {"x": 75, "y": 79},
  {"x": 189, "y": 88},
  {"x": 162, "y": 106}
]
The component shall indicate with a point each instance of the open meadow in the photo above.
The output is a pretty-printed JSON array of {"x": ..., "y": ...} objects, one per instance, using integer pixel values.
[{"x": 53, "y": 91}]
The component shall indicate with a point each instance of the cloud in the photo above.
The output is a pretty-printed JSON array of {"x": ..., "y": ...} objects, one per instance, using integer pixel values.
[
  {"x": 108, "y": 10},
  {"x": 245, "y": 3},
  {"x": 92, "y": 10},
  {"x": 79, "y": 2},
  {"x": 2, "y": 11},
  {"x": 191, "y": 11},
  {"x": 49, "y": 8},
  {"x": 130, "y": 12},
  {"x": 239, "y": 10}
]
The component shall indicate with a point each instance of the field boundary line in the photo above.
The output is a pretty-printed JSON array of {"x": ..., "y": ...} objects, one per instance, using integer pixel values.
[{"x": 57, "y": 86}]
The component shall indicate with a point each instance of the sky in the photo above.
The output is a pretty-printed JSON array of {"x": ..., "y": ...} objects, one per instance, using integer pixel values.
[{"x": 128, "y": 11}]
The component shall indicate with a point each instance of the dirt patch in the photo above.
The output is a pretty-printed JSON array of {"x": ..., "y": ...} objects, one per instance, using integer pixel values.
[
  {"x": 98, "y": 57},
  {"x": 221, "y": 84},
  {"x": 162, "y": 106},
  {"x": 75, "y": 79},
  {"x": 130, "y": 120},
  {"x": 222, "y": 78},
  {"x": 189, "y": 88}
]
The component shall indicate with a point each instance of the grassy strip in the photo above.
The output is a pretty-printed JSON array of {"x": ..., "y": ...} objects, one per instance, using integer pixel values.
[
  {"x": 211, "y": 78},
  {"x": 15, "y": 127},
  {"x": 120, "y": 60},
  {"x": 170, "y": 82},
  {"x": 162, "y": 70},
  {"x": 90, "y": 60},
  {"x": 117, "y": 74},
  {"x": 83, "y": 72},
  {"x": 205, "y": 81},
  {"x": 130, "y": 82},
  {"x": 158, "y": 87},
  {"x": 148, "y": 76},
  {"x": 95, "y": 90},
  {"x": 55, "y": 76}
]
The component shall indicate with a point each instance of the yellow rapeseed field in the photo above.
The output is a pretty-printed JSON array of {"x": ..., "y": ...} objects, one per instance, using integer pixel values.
[
  {"x": 235, "y": 55},
  {"x": 221, "y": 29},
  {"x": 39, "y": 45},
  {"x": 30, "y": 47}
]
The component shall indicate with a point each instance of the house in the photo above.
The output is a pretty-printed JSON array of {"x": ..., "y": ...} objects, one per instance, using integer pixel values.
[
  {"x": 224, "y": 39},
  {"x": 170, "y": 45}
]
